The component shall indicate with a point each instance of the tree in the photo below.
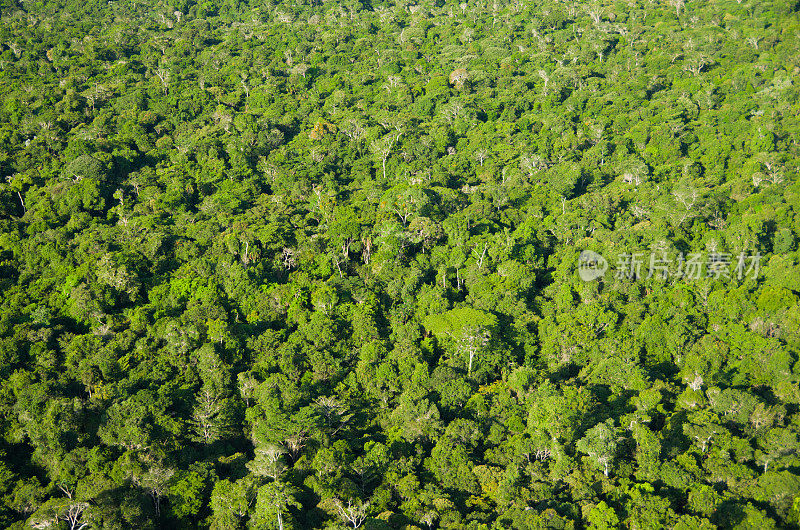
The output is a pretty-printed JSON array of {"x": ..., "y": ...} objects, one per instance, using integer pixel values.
[
  {"x": 267, "y": 461},
  {"x": 600, "y": 443},
  {"x": 155, "y": 481},
  {"x": 129, "y": 423},
  {"x": 777, "y": 448},
  {"x": 353, "y": 513},
  {"x": 405, "y": 202},
  {"x": 211, "y": 413},
  {"x": 702, "y": 427},
  {"x": 230, "y": 503},
  {"x": 84, "y": 167},
  {"x": 382, "y": 148},
  {"x": 685, "y": 204},
  {"x": 459, "y": 77},
  {"x": 678, "y": 5},
  {"x": 470, "y": 329},
  {"x": 187, "y": 492},
  {"x": 473, "y": 340},
  {"x": 54, "y": 510},
  {"x": 602, "y": 517},
  {"x": 273, "y": 501}
]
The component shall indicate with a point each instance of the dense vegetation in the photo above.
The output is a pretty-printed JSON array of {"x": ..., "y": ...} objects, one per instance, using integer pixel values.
[{"x": 314, "y": 265}]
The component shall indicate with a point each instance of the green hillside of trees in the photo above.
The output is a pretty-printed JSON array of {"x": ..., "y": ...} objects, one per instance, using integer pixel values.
[{"x": 317, "y": 264}]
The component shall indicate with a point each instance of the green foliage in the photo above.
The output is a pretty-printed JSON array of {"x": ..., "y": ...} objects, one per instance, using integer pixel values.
[{"x": 313, "y": 265}]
